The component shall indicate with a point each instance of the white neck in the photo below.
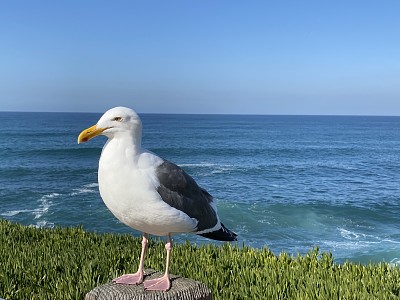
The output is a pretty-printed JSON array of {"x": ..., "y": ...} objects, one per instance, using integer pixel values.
[{"x": 122, "y": 147}]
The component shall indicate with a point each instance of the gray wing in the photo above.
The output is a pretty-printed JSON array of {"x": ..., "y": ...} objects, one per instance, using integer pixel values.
[{"x": 180, "y": 191}]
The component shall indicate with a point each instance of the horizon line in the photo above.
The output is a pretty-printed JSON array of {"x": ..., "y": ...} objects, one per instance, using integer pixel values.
[{"x": 210, "y": 114}]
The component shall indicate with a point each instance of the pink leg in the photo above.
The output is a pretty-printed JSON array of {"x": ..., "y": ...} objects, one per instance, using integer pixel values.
[
  {"x": 163, "y": 283},
  {"x": 136, "y": 278}
]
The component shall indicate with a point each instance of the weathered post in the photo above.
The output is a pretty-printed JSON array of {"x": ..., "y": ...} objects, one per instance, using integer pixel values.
[{"x": 181, "y": 288}]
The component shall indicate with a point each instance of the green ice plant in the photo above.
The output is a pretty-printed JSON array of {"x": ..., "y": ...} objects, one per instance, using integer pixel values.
[{"x": 66, "y": 263}]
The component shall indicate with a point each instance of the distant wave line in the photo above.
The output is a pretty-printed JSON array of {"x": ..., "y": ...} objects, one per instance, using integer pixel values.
[{"x": 45, "y": 202}]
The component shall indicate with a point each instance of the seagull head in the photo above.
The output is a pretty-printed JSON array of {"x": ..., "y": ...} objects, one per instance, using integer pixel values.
[{"x": 116, "y": 121}]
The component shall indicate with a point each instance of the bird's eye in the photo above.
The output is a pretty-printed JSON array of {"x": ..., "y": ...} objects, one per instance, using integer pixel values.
[{"x": 118, "y": 119}]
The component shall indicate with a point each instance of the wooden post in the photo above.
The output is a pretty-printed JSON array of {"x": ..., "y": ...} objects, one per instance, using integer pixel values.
[{"x": 181, "y": 288}]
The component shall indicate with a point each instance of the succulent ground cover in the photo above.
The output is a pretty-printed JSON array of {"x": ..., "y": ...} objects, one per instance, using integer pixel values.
[{"x": 66, "y": 263}]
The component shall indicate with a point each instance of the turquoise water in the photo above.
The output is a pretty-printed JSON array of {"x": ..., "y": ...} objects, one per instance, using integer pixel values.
[{"x": 289, "y": 183}]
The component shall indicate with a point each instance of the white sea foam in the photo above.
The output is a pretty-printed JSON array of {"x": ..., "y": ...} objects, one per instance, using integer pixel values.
[
  {"x": 264, "y": 221},
  {"x": 223, "y": 169},
  {"x": 86, "y": 189},
  {"x": 12, "y": 213},
  {"x": 198, "y": 165},
  {"x": 390, "y": 241},
  {"x": 395, "y": 262},
  {"x": 208, "y": 165},
  {"x": 347, "y": 234},
  {"x": 210, "y": 168},
  {"x": 352, "y": 235},
  {"x": 44, "y": 223},
  {"x": 44, "y": 206},
  {"x": 347, "y": 245},
  {"x": 334, "y": 245},
  {"x": 91, "y": 185},
  {"x": 82, "y": 191}
]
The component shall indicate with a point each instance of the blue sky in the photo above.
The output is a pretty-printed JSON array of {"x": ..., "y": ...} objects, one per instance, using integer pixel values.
[{"x": 251, "y": 57}]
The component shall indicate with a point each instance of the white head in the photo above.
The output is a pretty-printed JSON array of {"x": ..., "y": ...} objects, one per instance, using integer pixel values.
[{"x": 117, "y": 121}]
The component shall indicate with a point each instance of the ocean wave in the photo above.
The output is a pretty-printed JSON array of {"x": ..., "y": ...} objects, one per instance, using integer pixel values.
[
  {"x": 44, "y": 223},
  {"x": 248, "y": 166},
  {"x": 208, "y": 169},
  {"x": 44, "y": 206},
  {"x": 86, "y": 189},
  {"x": 38, "y": 213},
  {"x": 352, "y": 235},
  {"x": 82, "y": 191},
  {"x": 390, "y": 241},
  {"x": 347, "y": 245},
  {"x": 213, "y": 168},
  {"x": 395, "y": 262},
  {"x": 349, "y": 235},
  {"x": 198, "y": 165},
  {"x": 352, "y": 240},
  {"x": 13, "y": 213},
  {"x": 208, "y": 165},
  {"x": 91, "y": 185},
  {"x": 75, "y": 151}
]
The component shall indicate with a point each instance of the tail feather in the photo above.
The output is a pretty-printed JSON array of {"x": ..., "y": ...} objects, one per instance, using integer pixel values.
[{"x": 223, "y": 234}]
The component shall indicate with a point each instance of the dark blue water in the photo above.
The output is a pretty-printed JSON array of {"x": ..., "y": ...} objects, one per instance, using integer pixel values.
[{"x": 289, "y": 183}]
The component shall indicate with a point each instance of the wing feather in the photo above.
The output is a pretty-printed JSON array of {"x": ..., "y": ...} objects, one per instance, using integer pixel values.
[{"x": 181, "y": 191}]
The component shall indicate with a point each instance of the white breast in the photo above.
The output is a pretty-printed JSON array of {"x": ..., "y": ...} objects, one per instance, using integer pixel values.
[{"x": 128, "y": 186}]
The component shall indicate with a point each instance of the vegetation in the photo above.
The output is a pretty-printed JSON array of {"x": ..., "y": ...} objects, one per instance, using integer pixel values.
[{"x": 66, "y": 263}]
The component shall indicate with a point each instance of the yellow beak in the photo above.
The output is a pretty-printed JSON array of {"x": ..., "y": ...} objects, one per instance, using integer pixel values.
[{"x": 89, "y": 133}]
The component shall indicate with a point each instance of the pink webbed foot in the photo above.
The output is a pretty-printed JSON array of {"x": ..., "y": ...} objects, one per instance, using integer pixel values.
[
  {"x": 158, "y": 284},
  {"x": 136, "y": 278}
]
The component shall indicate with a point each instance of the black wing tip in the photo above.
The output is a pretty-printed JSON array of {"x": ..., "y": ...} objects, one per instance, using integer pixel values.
[{"x": 223, "y": 234}]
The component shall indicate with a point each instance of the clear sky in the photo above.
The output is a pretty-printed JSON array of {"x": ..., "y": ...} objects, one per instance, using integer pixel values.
[{"x": 204, "y": 56}]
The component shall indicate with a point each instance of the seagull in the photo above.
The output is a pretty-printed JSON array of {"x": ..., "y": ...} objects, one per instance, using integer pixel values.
[{"x": 148, "y": 193}]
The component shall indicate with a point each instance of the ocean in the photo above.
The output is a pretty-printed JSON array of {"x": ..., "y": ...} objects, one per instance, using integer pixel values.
[{"x": 289, "y": 183}]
